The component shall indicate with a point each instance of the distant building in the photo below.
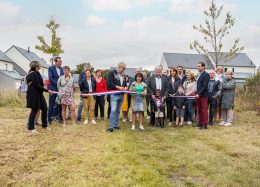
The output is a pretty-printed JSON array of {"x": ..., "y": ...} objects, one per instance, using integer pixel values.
[
  {"x": 23, "y": 58},
  {"x": 10, "y": 78},
  {"x": 242, "y": 66}
]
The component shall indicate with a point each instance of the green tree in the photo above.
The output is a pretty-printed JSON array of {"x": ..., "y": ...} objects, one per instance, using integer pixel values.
[
  {"x": 80, "y": 68},
  {"x": 55, "y": 48},
  {"x": 213, "y": 34}
]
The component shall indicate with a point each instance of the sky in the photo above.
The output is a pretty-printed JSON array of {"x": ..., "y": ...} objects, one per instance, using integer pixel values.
[{"x": 137, "y": 32}]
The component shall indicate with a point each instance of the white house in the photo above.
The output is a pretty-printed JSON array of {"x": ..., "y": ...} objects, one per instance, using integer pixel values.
[
  {"x": 9, "y": 77},
  {"x": 24, "y": 57},
  {"x": 242, "y": 66}
]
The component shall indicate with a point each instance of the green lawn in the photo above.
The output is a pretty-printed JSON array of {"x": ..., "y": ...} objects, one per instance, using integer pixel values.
[{"x": 89, "y": 156}]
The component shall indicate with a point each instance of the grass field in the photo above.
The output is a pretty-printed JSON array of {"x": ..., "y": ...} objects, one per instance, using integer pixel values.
[{"x": 89, "y": 156}]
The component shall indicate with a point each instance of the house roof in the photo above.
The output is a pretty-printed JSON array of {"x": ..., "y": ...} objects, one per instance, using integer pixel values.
[
  {"x": 128, "y": 71},
  {"x": 11, "y": 74},
  {"x": 241, "y": 60},
  {"x": 5, "y": 58},
  {"x": 31, "y": 56},
  {"x": 188, "y": 61}
]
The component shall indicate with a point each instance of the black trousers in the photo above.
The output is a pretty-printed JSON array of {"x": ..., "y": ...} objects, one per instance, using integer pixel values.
[
  {"x": 33, "y": 115},
  {"x": 100, "y": 103}
]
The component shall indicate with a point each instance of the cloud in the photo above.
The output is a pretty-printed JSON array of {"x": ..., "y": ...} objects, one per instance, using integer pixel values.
[
  {"x": 95, "y": 21},
  {"x": 195, "y": 6},
  {"x": 8, "y": 10},
  {"x": 119, "y": 5},
  {"x": 105, "y": 5}
]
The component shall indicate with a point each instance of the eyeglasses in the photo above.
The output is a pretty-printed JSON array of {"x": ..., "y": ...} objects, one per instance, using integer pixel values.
[{"x": 122, "y": 67}]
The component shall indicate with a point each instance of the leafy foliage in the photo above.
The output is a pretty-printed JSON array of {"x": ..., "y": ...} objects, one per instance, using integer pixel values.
[
  {"x": 55, "y": 48},
  {"x": 214, "y": 35},
  {"x": 80, "y": 68}
]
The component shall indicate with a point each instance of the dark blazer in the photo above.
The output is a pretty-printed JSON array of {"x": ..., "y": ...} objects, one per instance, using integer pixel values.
[
  {"x": 34, "y": 96},
  {"x": 53, "y": 77},
  {"x": 84, "y": 88},
  {"x": 216, "y": 88},
  {"x": 151, "y": 85},
  {"x": 174, "y": 87},
  {"x": 113, "y": 80},
  {"x": 202, "y": 84}
]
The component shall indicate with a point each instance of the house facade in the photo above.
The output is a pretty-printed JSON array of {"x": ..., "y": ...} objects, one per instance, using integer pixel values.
[
  {"x": 242, "y": 66},
  {"x": 10, "y": 78},
  {"x": 23, "y": 58}
]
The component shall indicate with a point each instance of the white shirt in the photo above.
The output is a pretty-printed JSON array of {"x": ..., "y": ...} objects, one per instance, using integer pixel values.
[
  {"x": 89, "y": 85},
  {"x": 121, "y": 77},
  {"x": 158, "y": 82},
  {"x": 58, "y": 71}
]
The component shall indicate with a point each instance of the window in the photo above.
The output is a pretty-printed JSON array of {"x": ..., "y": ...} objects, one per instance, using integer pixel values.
[
  {"x": 6, "y": 67},
  {"x": 225, "y": 69},
  {"x": 233, "y": 69}
]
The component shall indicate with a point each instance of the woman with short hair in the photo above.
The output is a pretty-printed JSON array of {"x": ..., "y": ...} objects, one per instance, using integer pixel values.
[
  {"x": 34, "y": 97},
  {"x": 66, "y": 87}
]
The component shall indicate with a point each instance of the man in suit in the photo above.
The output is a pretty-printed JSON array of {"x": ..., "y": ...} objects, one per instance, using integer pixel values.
[
  {"x": 155, "y": 82},
  {"x": 181, "y": 74},
  {"x": 54, "y": 72},
  {"x": 202, "y": 95}
]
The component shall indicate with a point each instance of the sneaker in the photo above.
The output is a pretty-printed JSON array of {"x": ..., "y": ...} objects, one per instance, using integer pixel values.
[
  {"x": 227, "y": 124},
  {"x": 110, "y": 130},
  {"x": 86, "y": 122},
  {"x": 75, "y": 124},
  {"x": 93, "y": 122},
  {"x": 141, "y": 127},
  {"x": 189, "y": 123},
  {"x": 48, "y": 128},
  {"x": 133, "y": 127},
  {"x": 124, "y": 120},
  {"x": 33, "y": 132},
  {"x": 222, "y": 123},
  {"x": 170, "y": 124},
  {"x": 148, "y": 117}
]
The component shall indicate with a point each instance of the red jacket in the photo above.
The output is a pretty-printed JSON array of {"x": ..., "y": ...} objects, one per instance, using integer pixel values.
[{"x": 101, "y": 86}]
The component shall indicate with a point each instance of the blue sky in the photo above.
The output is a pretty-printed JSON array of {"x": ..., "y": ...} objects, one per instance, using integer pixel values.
[{"x": 105, "y": 32}]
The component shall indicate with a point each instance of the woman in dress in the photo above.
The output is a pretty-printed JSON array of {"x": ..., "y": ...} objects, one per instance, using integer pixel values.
[
  {"x": 65, "y": 85},
  {"x": 138, "y": 101},
  {"x": 34, "y": 96}
]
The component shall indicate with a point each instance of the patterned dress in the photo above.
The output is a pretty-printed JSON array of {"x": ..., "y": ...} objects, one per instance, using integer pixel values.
[{"x": 66, "y": 87}]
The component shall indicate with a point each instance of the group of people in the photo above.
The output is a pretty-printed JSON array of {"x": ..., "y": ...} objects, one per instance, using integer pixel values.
[{"x": 174, "y": 95}]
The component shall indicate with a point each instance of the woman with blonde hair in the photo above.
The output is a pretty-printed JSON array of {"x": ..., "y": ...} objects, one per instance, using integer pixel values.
[{"x": 189, "y": 88}]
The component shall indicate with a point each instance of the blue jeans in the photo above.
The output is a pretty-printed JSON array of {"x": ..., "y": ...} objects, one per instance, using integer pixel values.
[
  {"x": 116, "y": 103},
  {"x": 80, "y": 108},
  {"x": 52, "y": 99},
  {"x": 189, "y": 109}
]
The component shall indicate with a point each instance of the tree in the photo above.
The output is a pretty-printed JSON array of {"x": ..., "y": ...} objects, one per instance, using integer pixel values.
[
  {"x": 214, "y": 35},
  {"x": 55, "y": 48},
  {"x": 80, "y": 68}
]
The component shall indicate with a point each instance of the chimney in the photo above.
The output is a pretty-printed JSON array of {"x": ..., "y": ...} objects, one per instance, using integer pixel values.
[{"x": 28, "y": 49}]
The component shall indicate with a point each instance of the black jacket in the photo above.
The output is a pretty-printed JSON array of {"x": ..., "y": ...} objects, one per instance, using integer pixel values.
[
  {"x": 174, "y": 87},
  {"x": 34, "y": 97},
  {"x": 113, "y": 80},
  {"x": 202, "y": 84},
  {"x": 216, "y": 87},
  {"x": 84, "y": 88}
]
